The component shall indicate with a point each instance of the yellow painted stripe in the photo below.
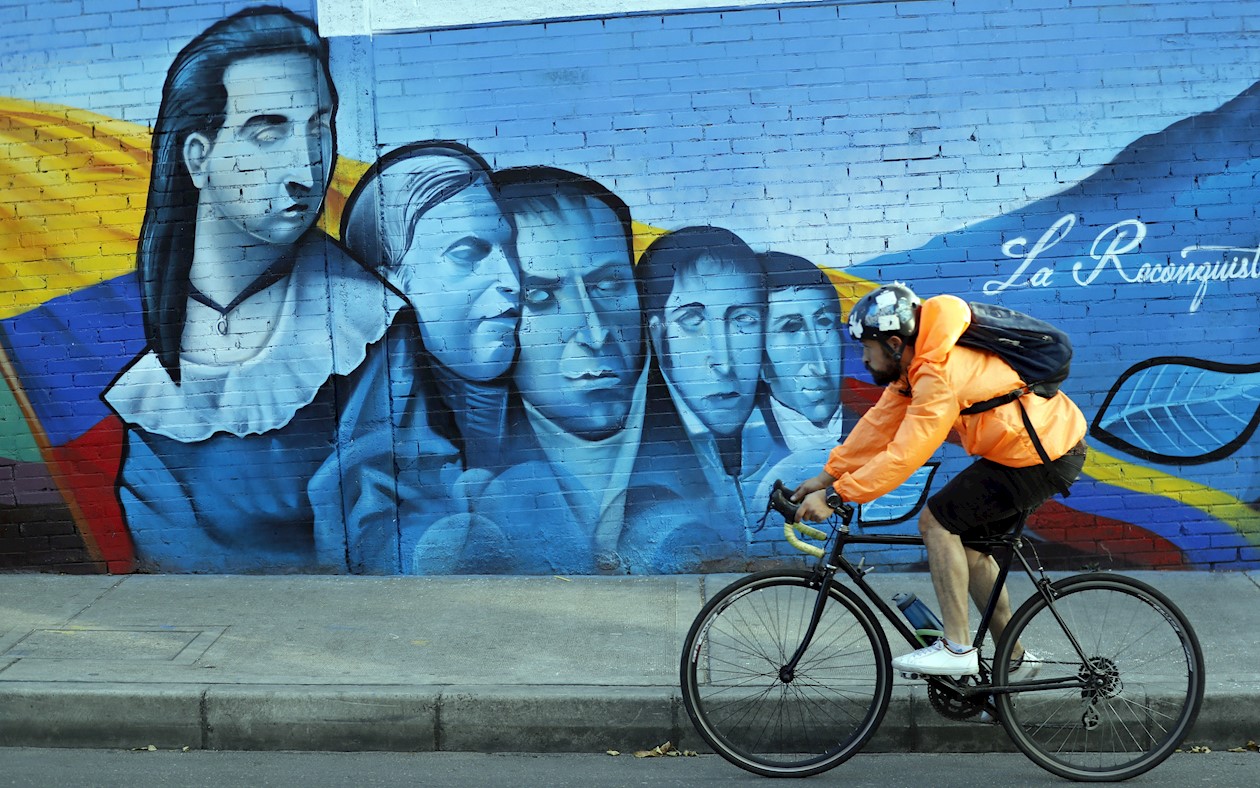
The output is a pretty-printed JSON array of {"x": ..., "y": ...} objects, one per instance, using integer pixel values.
[
  {"x": 644, "y": 235},
  {"x": 1149, "y": 481},
  {"x": 72, "y": 192},
  {"x": 73, "y": 185}
]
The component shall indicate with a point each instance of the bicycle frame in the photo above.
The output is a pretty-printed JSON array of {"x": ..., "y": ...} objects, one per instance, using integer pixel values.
[
  {"x": 834, "y": 562},
  {"x": 1108, "y": 713}
]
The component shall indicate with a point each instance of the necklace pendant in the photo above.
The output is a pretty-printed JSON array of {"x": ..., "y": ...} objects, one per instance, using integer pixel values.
[{"x": 222, "y": 326}]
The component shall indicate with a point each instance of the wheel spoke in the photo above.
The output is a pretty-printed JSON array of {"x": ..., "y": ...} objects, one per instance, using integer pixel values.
[
  {"x": 1143, "y": 684},
  {"x": 742, "y": 707}
]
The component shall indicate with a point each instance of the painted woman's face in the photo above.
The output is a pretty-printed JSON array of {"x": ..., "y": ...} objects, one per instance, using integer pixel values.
[
  {"x": 264, "y": 173},
  {"x": 462, "y": 276},
  {"x": 803, "y": 352}
]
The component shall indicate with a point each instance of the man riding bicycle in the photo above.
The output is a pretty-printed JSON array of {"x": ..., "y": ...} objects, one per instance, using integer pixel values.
[{"x": 910, "y": 347}]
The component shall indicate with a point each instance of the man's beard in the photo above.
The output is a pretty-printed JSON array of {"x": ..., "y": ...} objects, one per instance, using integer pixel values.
[{"x": 883, "y": 377}]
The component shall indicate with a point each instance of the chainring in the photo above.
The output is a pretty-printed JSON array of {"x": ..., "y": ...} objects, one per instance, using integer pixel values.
[{"x": 950, "y": 705}]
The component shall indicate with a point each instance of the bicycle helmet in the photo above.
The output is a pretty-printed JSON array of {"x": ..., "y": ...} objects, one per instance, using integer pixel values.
[{"x": 888, "y": 310}]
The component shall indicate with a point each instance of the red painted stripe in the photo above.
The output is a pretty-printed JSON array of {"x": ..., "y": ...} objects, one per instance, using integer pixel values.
[{"x": 89, "y": 467}]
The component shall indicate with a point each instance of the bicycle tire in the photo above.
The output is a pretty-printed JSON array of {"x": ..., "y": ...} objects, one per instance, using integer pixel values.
[
  {"x": 1147, "y": 694},
  {"x": 737, "y": 701}
]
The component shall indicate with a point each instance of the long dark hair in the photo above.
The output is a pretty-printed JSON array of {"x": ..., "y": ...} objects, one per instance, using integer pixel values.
[{"x": 194, "y": 99}]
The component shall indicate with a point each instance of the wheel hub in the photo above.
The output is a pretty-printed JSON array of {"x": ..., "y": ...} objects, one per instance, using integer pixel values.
[{"x": 1101, "y": 678}]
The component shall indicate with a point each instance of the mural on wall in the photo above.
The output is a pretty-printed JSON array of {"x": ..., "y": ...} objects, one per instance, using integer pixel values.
[
  {"x": 1175, "y": 433},
  {"x": 260, "y": 331},
  {"x": 1181, "y": 410},
  {"x": 436, "y": 361}
]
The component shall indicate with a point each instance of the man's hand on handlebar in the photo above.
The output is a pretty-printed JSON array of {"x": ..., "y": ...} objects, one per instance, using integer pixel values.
[
  {"x": 820, "y": 482},
  {"x": 814, "y": 508}
]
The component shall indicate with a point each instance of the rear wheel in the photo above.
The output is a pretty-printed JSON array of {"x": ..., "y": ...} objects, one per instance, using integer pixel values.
[
  {"x": 1132, "y": 699},
  {"x": 779, "y": 725}
]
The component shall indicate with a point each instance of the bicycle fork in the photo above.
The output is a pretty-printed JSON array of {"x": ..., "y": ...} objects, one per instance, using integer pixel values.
[{"x": 788, "y": 671}]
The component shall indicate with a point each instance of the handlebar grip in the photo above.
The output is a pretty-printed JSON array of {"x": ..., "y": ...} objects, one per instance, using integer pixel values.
[
  {"x": 805, "y": 530},
  {"x": 781, "y": 503}
]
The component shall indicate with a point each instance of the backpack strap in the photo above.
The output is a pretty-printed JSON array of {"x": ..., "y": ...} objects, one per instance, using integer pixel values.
[
  {"x": 1041, "y": 451},
  {"x": 996, "y": 402}
]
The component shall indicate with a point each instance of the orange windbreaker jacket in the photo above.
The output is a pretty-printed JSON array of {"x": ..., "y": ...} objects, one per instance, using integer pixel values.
[{"x": 901, "y": 432}]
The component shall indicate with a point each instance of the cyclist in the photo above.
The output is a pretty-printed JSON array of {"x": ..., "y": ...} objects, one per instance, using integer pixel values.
[{"x": 909, "y": 346}]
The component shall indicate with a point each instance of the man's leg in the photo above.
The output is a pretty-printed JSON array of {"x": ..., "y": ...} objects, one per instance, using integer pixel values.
[
  {"x": 947, "y": 560},
  {"x": 983, "y": 570}
]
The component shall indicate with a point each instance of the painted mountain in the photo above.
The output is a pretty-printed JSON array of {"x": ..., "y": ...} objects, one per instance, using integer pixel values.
[{"x": 1152, "y": 264}]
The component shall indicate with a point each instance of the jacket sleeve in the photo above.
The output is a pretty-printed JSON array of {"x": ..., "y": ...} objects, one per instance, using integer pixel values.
[
  {"x": 929, "y": 415},
  {"x": 870, "y": 435}
]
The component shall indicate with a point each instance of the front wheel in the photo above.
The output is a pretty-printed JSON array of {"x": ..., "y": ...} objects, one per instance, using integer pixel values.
[
  {"x": 1123, "y": 708},
  {"x": 780, "y": 725}
]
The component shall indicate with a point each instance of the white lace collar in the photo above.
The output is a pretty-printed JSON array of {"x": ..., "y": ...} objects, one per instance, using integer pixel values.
[{"x": 333, "y": 310}]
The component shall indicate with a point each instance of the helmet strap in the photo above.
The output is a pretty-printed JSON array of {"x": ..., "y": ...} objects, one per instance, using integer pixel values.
[{"x": 896, "y": 354}]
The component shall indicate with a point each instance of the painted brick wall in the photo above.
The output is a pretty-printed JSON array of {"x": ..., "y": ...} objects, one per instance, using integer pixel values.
[{"x": 1090, "y": 163}]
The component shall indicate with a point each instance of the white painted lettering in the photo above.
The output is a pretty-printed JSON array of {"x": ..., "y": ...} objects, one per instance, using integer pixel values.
[{"x": 1041, "y": 278}]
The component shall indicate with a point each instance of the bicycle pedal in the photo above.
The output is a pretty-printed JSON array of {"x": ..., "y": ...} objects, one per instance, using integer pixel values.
[{"x": 926, "y": 676}]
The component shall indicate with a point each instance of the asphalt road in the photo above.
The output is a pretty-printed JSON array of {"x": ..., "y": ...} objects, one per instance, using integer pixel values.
[{"x": 35, "y": 768}]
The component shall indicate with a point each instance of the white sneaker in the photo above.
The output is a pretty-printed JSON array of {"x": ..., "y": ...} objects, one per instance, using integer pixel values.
[
  {"x": 938, "y": 660},
  {"x": 1025, "y": 667}
]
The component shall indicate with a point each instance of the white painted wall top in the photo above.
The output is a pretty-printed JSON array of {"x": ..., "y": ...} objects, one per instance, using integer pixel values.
[{"x": 364, "y": 17}]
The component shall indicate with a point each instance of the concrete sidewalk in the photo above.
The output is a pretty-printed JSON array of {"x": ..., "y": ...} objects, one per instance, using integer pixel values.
[{"x": 527, "y": 664}]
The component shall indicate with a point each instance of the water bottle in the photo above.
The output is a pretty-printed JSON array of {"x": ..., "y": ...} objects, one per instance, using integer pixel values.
[{"x": 927, "y": 627}]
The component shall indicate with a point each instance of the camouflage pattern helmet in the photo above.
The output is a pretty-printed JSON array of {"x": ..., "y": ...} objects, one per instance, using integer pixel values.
[{"x": 888, "y": 310}]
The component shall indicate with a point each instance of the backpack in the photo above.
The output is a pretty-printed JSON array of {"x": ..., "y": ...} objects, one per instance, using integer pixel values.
[{"x": 1038, "y": 352}]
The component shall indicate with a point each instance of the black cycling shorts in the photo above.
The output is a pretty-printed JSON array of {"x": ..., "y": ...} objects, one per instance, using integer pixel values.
[{"x": 988, "y": 499}]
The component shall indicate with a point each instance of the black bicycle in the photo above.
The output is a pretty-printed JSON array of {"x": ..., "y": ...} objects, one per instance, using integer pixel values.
[{"x": 785, "y": 673}]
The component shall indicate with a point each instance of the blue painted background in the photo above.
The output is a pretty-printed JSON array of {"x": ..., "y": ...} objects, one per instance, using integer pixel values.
[{"x": 1006, "y": 151}]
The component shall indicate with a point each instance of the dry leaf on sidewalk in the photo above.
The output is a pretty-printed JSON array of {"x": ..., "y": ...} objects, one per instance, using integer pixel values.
[
  {"x": 665, "y": 750},
  {"x": 657, "y": 751}
]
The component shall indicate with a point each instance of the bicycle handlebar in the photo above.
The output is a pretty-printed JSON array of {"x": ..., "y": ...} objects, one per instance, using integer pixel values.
[
  {"x": 789, "y": 533},
  {"x": 781, "y": 502}
]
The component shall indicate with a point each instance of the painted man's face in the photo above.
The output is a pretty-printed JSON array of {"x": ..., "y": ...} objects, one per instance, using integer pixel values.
[
  {"x": 803, "y": 351},
  {"x": 713, "y": 339},
  {"x": 581, "y": 332},
  {"x": 461, "y": 275},
  {"x": 264, "y": 173}
]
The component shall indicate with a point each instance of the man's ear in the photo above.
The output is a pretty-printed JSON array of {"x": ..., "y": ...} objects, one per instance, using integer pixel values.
[{"x": 196, "y": 155}]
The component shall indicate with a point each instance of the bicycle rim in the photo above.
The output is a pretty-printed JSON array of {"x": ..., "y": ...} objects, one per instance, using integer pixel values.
[
  {"x": 1143, "y": 693},
  {"x": 738, "y": 702}
]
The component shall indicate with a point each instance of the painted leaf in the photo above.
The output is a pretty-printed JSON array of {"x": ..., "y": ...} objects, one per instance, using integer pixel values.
[{"x": 1181, "y": 410}]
